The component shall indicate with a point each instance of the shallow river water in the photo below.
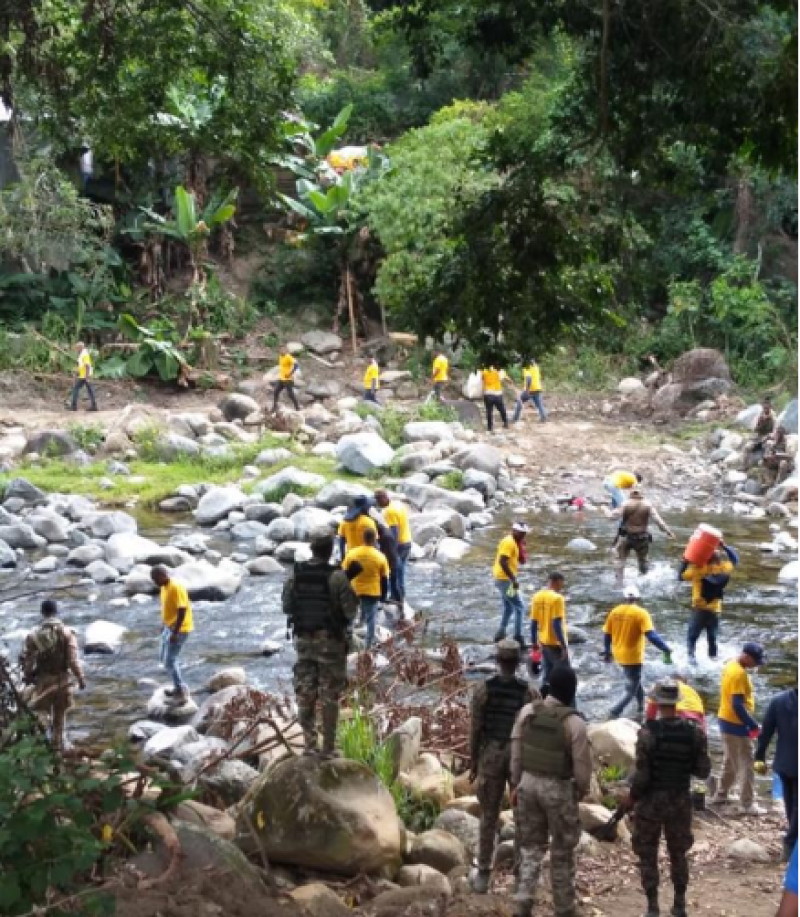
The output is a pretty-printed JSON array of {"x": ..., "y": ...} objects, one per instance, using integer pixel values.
[{"x": 460, "y": 601}]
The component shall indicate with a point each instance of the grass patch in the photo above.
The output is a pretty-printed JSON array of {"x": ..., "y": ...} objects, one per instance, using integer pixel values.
[{"x": 453, "y": 480}]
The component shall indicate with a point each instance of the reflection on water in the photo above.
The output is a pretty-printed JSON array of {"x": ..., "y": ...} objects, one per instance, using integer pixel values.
[{"x": 460, "y": 601}]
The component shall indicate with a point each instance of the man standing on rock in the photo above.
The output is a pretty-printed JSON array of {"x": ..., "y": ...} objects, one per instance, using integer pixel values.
[
  {"x": 85, "y": 371},
  {"x": 510, "y": 554},
  {"x": 708, "y": 589},
  {"x": 627, "y": 627},
  {"x": 48, "y": 658},
  {"x": 177, "y": 623},
  {"x": 395, "y": 515},
  {"x": 551, "y": 769},
  {"x": 669, "y": 752},
  {"x": 549, "y": 624},
  {"x": 494, "y": 707},
  {"x": 371, "y": 584},
  {"x": 287, "y": 367},
  {"x": 634, "y": 532},
  {"x": 439, "y": 375},
  {"x": 320, "y": 606}
]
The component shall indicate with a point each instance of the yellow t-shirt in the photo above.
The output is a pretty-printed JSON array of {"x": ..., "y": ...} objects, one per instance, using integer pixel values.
[
  {"x": 690, "y": 701},
  {"x": 368, "y": 582},
  {"x": 535, "y": 375},
  {"x": 546, "y": 607},
  {"x": 441, "y": 365},
  {"x": 695, "y": 576},
  {"x": 507, "y": 548},
  {"x": 286, "y": 363},
  {"x": 735, "y": 680},
  {"x": 492, "y": 381},
  {"x": 173, "y": 597},
  {"x": 85, "y": 368},
  {"x": 625, "y": 480},
  {"x": 373, "y": 373},
  {"x": 396, "y": 514},
  {"x": 353, "y": 532},
  {"x": 627, "y": 625}
]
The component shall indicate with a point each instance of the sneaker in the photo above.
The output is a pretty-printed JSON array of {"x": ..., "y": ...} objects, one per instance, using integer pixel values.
[
  {"x": 481, "y": 880},
  {"x": 753, "y": 809}
]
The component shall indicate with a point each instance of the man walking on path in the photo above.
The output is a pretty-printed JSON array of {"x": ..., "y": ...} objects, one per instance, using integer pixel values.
[
  {"x": 493, "y": 709},
  {"x": 372, "y": 381},
  {"x": 549, "y": 624},
  {"x": 708, "y": 589},
  {"x": 493, "y": 396},
  {"x": 287, "y": 367},
  {"x": 356, "y": 522},
  {"x": 531, "y": 391},
  {"x": 669, "y": 752},
  {"x": 510, "y": 554},
  {"x": 85, "y": 371},
  {"x": 619, "y": 481},
  {"x": 177, "y": 623},
  {"x": 634, "y": 532},
  {"x": 738, "y": 729},
  {"x": 320, "y": 606},
  {"x": 781, "y": 717},
  {"x": 625, "y": 631},
  {"x": 395, "y": 515},
  {"x": 49, "y": 656},
  {"x": 371, "y": 585},
  {"x": 440, "y": 374},
  {"x": 551, "y": 769}
]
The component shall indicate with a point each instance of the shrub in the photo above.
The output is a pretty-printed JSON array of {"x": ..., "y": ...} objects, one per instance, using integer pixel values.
[
  {"x": 89, "y": 436},
  {"x": 453, "y": 480}
]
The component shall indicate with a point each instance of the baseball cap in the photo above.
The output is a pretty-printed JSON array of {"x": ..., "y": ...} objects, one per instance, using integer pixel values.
[
  {"x": 755, "y": 651},
  {"x": 631, "y": 592},
  {"x": 666, "y": 692},
  {"x": 361, "y": 504}
]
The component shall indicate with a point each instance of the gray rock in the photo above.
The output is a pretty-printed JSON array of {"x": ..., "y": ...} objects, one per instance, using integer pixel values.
[
  {"x": 324, "y": 388},
  {"x": 720, "y": 454},
  {"x": 118, "y": 468},
  {"x": 218, "y": 452},
  {"x": 748, "y": 417},
  {"x": 427, "y": 877},
  {"x": 462, "y": 825},
  {"x": 51, "y": 443},
  {"x": 429, "y": 533},
  {"x": 788, "y": 417},
  {"x": 78, "y": 508},
  {"x": 479, "y": 520},
  {"x": 262, "y": 512},
  {"x": 21, "y": 535},
  {"x": 437, "y": 848},
  {"x": 249, "y": 531},
  {"x": 139, "y": 582},
  {"x": 167, "y": 742},
  {"x": 293, "y": 552},
  {"x": 630, "y": 386},
  {"x": 21, "y": 489},
  {"x": 777, "y": 509},
  {"x": 311, "y": 522},
  {"x": 191, "y": 542},
  {"x": 414, "y": 461},
  {"x": 425, "y": 495},
  {"x": 45, "y": 565},
  {"x": 104, "y": 525},
  {"x": 229, "y": 780},
  {"x": 340, "y": 493},
  {"x": 51, "y": 526},
  {"x": 265, "y": 566},
  {"x": 280, "y": 530},
  {"x": 217, "y": 503},
  {"x": 85, "y": 555},
  {"x": 581, "y": 545},
  {"x": 172, "y": 446},
  {"x": 142, "y": 730},
  {"x": 289, "y": 477},
  {"x": 321, "y": 342},
  {"x": 481, "y": 481},
  {"x": 101, "y": 572},
  {"x": 291, "y": 504},
  {"x": 175, "y": 505},
  {"x": 270, "y": 457},
  {"x": 749, "y": 851},
  {"x": 128, "y": 548},
  {"x": 451, "y": 549},
  {"x": 482, "y": 457},
  {"x": 265, "y": 546},
  {"x": 227, "y": 678},
  {"x": 449, "y": 520},
  {"x": 205, "y": 582},
  {"x": 433, "y": 430},
  {"x": 363, "y": 453},
  {"x": 238, "y": 407},
  {"x": 103, "y": 637},
  {"x": 404, "y": 744}
]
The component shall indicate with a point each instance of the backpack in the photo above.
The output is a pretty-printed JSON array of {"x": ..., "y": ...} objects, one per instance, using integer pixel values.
[{"x": 49, "y": 649}]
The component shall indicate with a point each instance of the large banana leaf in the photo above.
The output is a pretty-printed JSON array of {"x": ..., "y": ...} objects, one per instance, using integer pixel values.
[
  {"x": 128, "y": 325},
  {"x": 327, "y": 140},
  {"x": 306, "y": 212},
  {"x": 185, "y": 212},
  {"x": 218, "y": 210}
]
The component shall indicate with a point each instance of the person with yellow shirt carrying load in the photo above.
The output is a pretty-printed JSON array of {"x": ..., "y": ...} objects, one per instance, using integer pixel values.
[
  {"x": 371, "y": 584},
  {"x": 551, "y": 770},
  {"x": 531, "y": 391},
  {"x": 177, "y": 623},
  {"x": 549, "y": 624},
  {"x": 625, "y": 631},
  {"x": 395, "y": 515},
  {"x": 440, "y": 374},
  {"x": 287, "y": 367},
  {"x": 708, "y": 589},
  {"x": 510, "y": 554},
  {"x": 634, "y": 535},
  {"x": 356, "y": 522},
  {"x": 619, "y": 481},
  {"x": 689, "y": 706},
  {"x": 492, "y": 379},
  {"x": 738, "y": 729},
  {"x": 85, "y": 371},
  {"x": 372, "y": 377}
]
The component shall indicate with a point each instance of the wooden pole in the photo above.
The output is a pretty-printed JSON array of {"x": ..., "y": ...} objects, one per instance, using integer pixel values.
[
  {"x": 383, "y": 320},
  {"x": 350, "y": 309}
]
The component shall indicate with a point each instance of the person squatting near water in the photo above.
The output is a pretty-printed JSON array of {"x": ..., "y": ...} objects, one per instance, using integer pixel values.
[
  {"x": 320, "y": 607},
  {"x": 708, "y": 589},
  {"x": 49, "y": 656},
  {"x": 633, "y": 534},
  {"x": 510, "y": 554},
  {"x": 177, "y": 622},
  {"x": 494, "y": 707},
  {"x": 670, "y": 751},
  {"x": 551, "y": 770}
]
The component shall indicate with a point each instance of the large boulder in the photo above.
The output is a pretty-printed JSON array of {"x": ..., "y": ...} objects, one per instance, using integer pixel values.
[
  {"x": 217, "y": 503},
  {"x": 630, "y": 386},
  {"x": 789, "y": 572},
  {"x": 248, "y": 530},
  {"x": 324, "y": 388},
  {"x": 289, "y": 478},
  {"x": 280, "y": 530},
  {"x": 206, "y": 817},
  {"x": 363, "y": 453},
  {"x": 482, "y": 457},
  {"x": 311, "y": 522},
  {"x": 451, "y": 521},
  {"x": 21, "y": 535},
  {"x": 126, "y": 548},
  {"x": 700, "y": 364},
  {"x": 432, "y": 430},
  {"x": 428, "y": 779},
  {"x": 238, "y": 407},
  {"x": 325, "y": 815},
  {"x": 205, "y": 582},
  {"x": 614, "y": 743},
  {"x": 51, "y": 443},
  {"x": 262, "y": 512},
  {"x": 322, "y": 342},
  {"x": 172, "y": 446},
  {"x": 422, "y": 496},
  {"x": 317, "y": 900},
  {"x": 104, "y": 637},
  {"x": 104, "y": 525},
  {"x": 84, "y": 555},
  {"x": 50, "y": 526},
  {"x": 8, "y": 557},
  {"x": 138, "y": 581},
  {"x": 481, "y": 481},
  {"x": 264, "y": 566},
  {"x": 451, "y": 549},
  {"x": 462, "y": 825},
  {"x": 166, "y": 743},
  {"x": 229, "y": 780},
  {"x": 340, "y": 493},
  {"x": 22, "y": 489},
  {"x": 404, "y": 744},
  {"x": 439, "y": 849},
  {"x": 418, "y": 874},
  {"x": 788, "y": 417},
  {"x": 101, "y": 572}
]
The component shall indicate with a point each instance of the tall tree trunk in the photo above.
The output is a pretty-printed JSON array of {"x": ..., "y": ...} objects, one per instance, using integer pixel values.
[{"x": 744, "y": 215}]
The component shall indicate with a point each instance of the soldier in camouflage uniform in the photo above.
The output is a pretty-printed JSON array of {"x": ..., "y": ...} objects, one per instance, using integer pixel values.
[
  {"x": 551, "y": 767},
  {"x": 495, "y": 705},
  {"x": 669, "y": 751},
  {"x": 320, "y": 606}
]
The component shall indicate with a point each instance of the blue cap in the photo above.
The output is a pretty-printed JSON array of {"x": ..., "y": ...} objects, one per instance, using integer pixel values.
[
  {"x": 361, "y": 505},
  {"x": 755, "y": 651}
]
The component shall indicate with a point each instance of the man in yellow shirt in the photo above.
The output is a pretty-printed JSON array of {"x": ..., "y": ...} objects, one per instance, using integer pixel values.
[
  {"x": 356, "y": 522},
  {"x": 85, "y": 371},
  {"x": 531, "y": 391},
  {"x": 287, "y": 367},
  {"x": 708, "y": 587},
  {"x": 440, "y": 375},
  {"x": 395, "y": 515},
  {"x": 177, "y": 623},
  {"x": 492, "y": 379},
  {"x": 619, "y": 481},
  {"x": 738, "y": 728},
  {"x": 549, "y": 624},
  {"x": 627, "y": 627},
  {"x": 372, "y": 583},
  {"x": 510, "y": 554},
  {"x": 372, "y": 381}
]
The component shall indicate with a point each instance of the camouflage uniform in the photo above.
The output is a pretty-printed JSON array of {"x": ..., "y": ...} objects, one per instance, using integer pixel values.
[
  {"x": 320, "y": 673},
  {"x": 547, "y": 804},
  {"x": 668, "y": 752}
]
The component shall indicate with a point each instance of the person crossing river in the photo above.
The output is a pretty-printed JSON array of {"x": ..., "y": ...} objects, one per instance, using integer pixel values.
[{"x": 510, "y": 554}]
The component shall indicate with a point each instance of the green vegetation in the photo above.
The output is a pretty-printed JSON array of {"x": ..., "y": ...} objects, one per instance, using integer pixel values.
[
  {"x": 88, "y": 436},
  {"x": 453, "y": 480}
]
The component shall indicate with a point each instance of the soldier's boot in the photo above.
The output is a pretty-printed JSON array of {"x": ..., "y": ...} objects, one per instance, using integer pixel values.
[
  {"x": 481, "y": 879},
  {"x": 679, "y": 904},
  {"x": 330, "y": 718},
  {"x": 652, "y": 904}
]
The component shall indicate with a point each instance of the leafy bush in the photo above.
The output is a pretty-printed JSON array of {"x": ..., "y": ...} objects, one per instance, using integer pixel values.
[
  {"x": 277, "y": 494},
  {"x": 88, "y": 436},
  {"x": 156, "y": 354},
  {"x": 453, "y": 480},
  {"x": 435, "y": 410}
]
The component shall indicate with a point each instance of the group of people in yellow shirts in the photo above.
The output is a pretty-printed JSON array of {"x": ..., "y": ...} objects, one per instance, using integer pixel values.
[{"x": 493, "y": 379}]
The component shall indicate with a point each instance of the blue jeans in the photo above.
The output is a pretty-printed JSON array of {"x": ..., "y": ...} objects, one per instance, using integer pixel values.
[
  {"x": 701, "y": 621},
  {"x": 633, "y": 689},
  {"x": 371, "y": 395},
  {"x": 524, "y": 398},
  {"x": 551, "y": 656},
  {"x": 170, "y": 650},
  {"x": 369, "y": 608},
  {"x": 617, "y": 498},
  {"x": 397, "y": 578},
  {"x": 76, "y": 390},
  {"x": 510, "y": 606}
]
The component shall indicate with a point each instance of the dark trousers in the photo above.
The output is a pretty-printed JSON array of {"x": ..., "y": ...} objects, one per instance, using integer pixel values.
[
  {"x": 397, "y": 577},
  {"x": 285, "y": 385},
  {"x": 707, "y": 621},
  {"x": 76, "y": 390},
  {"x": 371, "y": 395},
  {"x": 551, "y": 656},
  {"x": 494, "y": 403},
  {"x": 789, "y": 785},
  {"x": 633, "y": 689}
]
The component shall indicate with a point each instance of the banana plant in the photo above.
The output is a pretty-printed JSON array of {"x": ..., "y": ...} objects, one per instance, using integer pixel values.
[{"x": 308, "y": 151}]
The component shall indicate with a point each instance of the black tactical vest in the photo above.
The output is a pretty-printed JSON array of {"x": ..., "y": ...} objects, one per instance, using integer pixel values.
[
  {"x": 674, "y": 754},
  {"x": 505, "y": 697},
  {"x": 312, "y": 591}
]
